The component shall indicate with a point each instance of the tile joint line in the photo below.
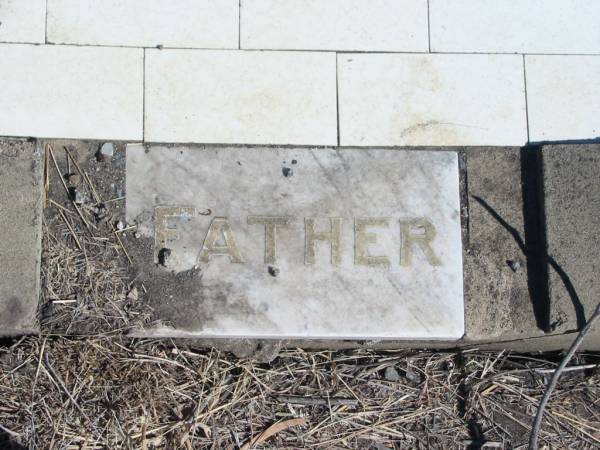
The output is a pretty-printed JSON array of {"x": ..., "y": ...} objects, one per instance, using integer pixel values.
[
  {"x": 46, "y": 24},
  {"x": 526, "y": 99},
  {"x": 144, "y": 95},
  {"x": 428, "y": 27},
  {"x": 337, "y": 100},
  {"x": 274, "y": 50}
]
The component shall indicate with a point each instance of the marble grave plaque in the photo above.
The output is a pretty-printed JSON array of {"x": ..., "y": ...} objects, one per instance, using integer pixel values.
[{"x": 301, "y": 242}]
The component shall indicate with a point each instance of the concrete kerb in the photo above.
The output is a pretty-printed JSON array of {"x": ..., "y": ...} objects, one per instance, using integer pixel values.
[{"x": 503, "y": 244}]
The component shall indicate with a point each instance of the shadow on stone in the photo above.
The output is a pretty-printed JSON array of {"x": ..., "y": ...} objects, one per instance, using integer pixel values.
[
  {"x": 537, "y": 279},
  {"x": 534, "y": 245},
  {"x": 595, "y": 140},
  {"x": 538, "y": 260}
]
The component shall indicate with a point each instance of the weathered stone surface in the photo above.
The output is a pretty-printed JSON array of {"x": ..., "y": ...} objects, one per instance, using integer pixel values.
[
  {"x": 145, "y": 23},
  {"x": 505, "y": 26},
  {"x": 283, "y": 97},
  {"x": 572, "y": 209},
  {"x": 353, "y": 25},
  {"x": 390, "y": 99},
  {"x": 497, "y": 300},
  {"x": 211, "y": 269},
  {"x": 20, "y": 231},
  {"x": 571, "y": 112}
]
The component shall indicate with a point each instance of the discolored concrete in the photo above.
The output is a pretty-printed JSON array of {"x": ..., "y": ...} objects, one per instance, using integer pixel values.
[
  {"x": 20, "y": 235},
  {"x": 498, "y": 304},
  {"x": 572, "y": 226},
  {"x": 529, "y": 220}
]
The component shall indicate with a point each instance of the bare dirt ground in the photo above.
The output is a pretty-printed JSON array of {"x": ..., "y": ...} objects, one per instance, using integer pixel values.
[{"x": 95, "y": 389}]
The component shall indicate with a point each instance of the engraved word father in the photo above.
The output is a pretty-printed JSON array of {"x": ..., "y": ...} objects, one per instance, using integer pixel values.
[{"x": 220, "y": 240}]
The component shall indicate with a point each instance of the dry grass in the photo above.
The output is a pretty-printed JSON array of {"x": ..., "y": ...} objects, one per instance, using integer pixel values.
[
  {"x": 109, "y": 393},
  {"x": 85, "y": 291},
  {"x": 86, "y": 286}
]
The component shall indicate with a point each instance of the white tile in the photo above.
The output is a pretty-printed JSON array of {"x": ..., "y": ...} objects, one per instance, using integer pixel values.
[
  {"x": 71, "y": 92},
  {"x": 393, "y": 99},
  {"x": 365, "y": 25},
  {"x": 513, "y": 26},
  {"x": 240, "y": 97},
  {"x": 355, "y": 292},
  {"x": 147, "y": 23},
  {"x": 563, "y": 97},
  {"x": 23, "y": 21}
]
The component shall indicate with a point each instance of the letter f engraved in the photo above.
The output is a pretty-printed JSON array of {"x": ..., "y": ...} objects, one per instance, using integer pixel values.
[{"x": 162, "y": 232}]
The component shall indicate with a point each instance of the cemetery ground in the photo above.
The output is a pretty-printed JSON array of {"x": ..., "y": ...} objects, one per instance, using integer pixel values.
[
  {"x": 103, "y": 392},
  {"x": 81, "y": 384}
]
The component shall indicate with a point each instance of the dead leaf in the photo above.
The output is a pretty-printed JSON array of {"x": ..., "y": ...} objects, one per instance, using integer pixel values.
[
  {"x": 132, "y": 295},
  {"x": 271, "y": 431}
]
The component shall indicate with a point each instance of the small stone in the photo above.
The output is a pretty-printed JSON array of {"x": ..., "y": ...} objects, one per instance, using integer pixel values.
[
  {"x": 287, "y": 172},
  {"x": 391, "y": 374},
  {"x": 413, "y": 376},
  {"x": 79, "y": 197},
  {"x": 106, "y": 152},
  {"x": 163, "y": 256},
  {"x": 137, "y": 235},
  {"x": 273, "y": 271},
  {"x": 294, "y": 161},
  {"x": 74, "y": 180},
  {"x": 120, "y": 225},
  {"x": 101, "y": 212},
  {"x": 515, "y": 266}
]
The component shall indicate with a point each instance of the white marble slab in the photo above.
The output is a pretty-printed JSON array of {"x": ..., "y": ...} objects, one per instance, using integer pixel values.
[
  {"x": 71, "y": 92},
  {"x": 563, "y": 97},
  {"x": 365, "y": 25},
  {"x": 509, "y": 26},
  {"x": 394, "y": 99},
  {"x": 245, "y": 97},
  {"x": 145, "y": 23},
  {"x": 364, "y": 289},
  {"x": 23, "y": 21}
]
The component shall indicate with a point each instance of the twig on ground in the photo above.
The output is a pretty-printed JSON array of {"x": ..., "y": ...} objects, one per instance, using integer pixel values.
[
  {"x": 315, "y": 401},
  {"x": 271, "y": 431},
  {"x": 8, "y": 431},
  {"x": 73, "y": 234},
  {"x": 85, "y": 222},
  {"x": 83, "y": 175},
  {"x": 568, "y": 369},
  {"x": 64, "y": 387},
  {"x": 537, "y": 423}
]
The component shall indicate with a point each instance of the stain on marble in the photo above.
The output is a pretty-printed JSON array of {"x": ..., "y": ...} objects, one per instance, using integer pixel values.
[{"x": 349, "y": 244}]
